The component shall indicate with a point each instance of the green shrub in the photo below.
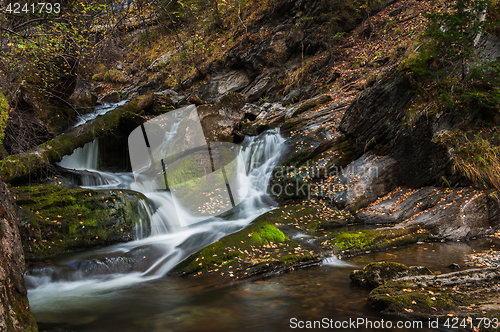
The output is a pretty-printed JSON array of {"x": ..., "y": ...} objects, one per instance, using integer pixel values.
[{"x": 4, "y": 115}]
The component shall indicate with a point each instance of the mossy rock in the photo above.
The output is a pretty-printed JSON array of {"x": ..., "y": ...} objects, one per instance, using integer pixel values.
[
  {"x": 379, "y": 273},
  {"x": 59, "y": 220},
  {"x": 462, "y": 295},
  {"x": 353, "y": 243},
  {"x": 258, "y": 249},
  {"x": 313, "y": 217}
]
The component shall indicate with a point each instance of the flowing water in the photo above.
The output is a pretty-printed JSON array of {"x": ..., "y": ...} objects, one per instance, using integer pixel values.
[
  {"x": 75, "y": 279},
  {"x": 124, "y": 287},
  {"x": 99, "y": 110}
]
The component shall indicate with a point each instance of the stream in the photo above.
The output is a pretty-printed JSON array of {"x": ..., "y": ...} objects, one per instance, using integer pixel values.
[
  {"x": 124, "y": 287},
  {"x": 204, "y": 304}
]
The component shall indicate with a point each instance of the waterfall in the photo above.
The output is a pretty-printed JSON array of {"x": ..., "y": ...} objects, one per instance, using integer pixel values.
[
  {"x": 168, "y": 243},
  {"x": 85, "y": 158}
]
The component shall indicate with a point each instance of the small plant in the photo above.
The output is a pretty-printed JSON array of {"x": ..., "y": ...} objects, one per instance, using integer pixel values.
[
  {"x": 4, "y": 115},
  {"x": 477, "y": 155},
  {"x": 339, "y": 36}
]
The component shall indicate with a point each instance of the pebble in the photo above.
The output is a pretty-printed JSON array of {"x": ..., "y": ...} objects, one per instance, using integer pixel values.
[{"x": 489, "y": 258}]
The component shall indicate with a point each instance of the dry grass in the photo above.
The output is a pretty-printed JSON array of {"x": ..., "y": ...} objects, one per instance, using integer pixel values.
[{"x": 476, "y": 155}]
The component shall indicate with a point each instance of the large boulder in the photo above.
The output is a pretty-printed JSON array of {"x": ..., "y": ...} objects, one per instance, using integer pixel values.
[
  {"x": 83, "y": 96},
  {"x": 221, "y": 84},
  {"x": 373, "y": 123},
  {"x": 449, "y": 213},
  {"x": 220, "y": 120},
  {"x": 15, "y": 313},
  {"x": 59, "y": 220},
  {"x": 365, "y": 179}
]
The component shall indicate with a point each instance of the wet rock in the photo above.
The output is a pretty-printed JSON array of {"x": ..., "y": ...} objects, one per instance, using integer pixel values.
[
  {"x": 112, "y": 97},
  {"x": 452, "y": 214},
  {"x": 83, "y": 96},
  {"x": 15, "y": 313},
  {"x": 366, "y": 179},
  {"x": 58, "y": 220},
  {"x": 222, "y": 118},
  {"x": 454, "y": 266},
  {"x": 219, "y": 85},
  {"x": 463, "y": 294},
  {"x": 377, "y": 274},
  {"x": 260, "y": 249}
]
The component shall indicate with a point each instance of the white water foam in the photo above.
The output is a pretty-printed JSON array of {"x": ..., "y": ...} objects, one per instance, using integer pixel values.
[{"x": 169, "y": 242}]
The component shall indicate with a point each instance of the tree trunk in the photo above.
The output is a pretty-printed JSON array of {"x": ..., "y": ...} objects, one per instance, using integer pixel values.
[{"x": 19, "y": 167}]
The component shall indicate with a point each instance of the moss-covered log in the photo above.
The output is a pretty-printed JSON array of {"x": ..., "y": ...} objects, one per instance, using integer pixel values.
[{"x": 18, "y": 167}]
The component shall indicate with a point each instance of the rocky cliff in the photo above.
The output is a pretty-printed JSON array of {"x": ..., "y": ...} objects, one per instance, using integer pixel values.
[{"x": 15, "y": 313}]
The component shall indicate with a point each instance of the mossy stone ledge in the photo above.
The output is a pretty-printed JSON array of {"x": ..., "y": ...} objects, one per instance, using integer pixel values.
[
  {"x": 57, "y": 220},
  {"x": 260, "y": 249}
]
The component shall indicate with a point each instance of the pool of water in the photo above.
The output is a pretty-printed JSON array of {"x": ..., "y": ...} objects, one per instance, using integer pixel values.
[{"x": 207, "y": 304}]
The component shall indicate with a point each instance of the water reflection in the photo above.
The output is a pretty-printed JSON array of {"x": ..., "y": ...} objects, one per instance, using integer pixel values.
[{"x": 203, "y": 304}]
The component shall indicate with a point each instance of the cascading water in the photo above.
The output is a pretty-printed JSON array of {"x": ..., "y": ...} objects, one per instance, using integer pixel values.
[
  {"x": 88, "y": 275},
  {"x": 82, "y": 158},
  {"x": 99, "y": 110}
]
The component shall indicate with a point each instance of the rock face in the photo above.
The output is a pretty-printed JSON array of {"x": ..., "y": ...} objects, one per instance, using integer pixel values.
[
  {"x": 15, "y": 314},
  {"x": 232, "y": 81},
  {"x": 452, "y": 214},
  {"x": 373, "y": 123},
  {"x": 221, "y": 119},
  {"x": 366, "y": 179}
]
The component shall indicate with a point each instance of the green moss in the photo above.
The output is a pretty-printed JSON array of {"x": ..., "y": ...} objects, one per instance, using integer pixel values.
[
  {"x": 4, "y": 114},
  {"x": 268, "y": 233},
  {"x": 355, "y": 242},
  {"x": 258, "y": 247},
  {"x": 24, "y": 316},
  {"x": 398, "y": 296},
  {"x": 58, "y": 220}
]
